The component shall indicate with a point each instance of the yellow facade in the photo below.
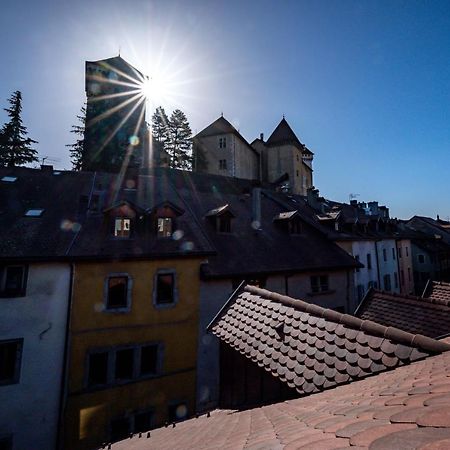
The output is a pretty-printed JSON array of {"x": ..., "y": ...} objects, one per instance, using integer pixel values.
[{"x": 89, "y": 411}]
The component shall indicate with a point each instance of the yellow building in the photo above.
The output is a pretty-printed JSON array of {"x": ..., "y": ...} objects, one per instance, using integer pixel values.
[{"x": 133, "y": 348}]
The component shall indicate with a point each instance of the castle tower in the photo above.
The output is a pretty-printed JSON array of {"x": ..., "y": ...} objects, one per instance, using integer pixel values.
[
  {"x": 284, "y": 153},
  {"x": 115, "y": 132}
]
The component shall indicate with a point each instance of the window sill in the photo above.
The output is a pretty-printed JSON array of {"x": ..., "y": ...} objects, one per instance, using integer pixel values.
[
  {"x": 116, "y": 310},
  {"x": 315, "y": 294}
]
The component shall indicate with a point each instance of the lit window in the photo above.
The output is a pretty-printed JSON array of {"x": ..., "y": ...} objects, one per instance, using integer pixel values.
[
  {"x": 10, "y": 361},
  {"x": 122, "y": 227},
  {"x": 13, "y": 281},
  {"x": 34, "y": 213},
  {"x": 319, "y": 283},
  {"x": 7, "y": 179},
  {"x": 117, "y": 292},
  {"x": 164, "y": 227},
  {"x": 165, "y": 288}
]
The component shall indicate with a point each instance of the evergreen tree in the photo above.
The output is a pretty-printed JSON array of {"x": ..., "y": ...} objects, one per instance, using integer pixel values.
[
  {"x": 160, "y": 125},
  {"x": 15, "y": 147},
  {"x": 76, "y": 149},
  {"x": 179, "y": 144}
]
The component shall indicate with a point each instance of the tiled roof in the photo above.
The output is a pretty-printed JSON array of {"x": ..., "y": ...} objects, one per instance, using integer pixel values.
[
  {"x": 439, "y": 292},
  {"x": 311, "y": 348},
  {"x": 283, "y": 134},
  {"x": 407, "y": 408},
  {"x": 427, "y": 316}
]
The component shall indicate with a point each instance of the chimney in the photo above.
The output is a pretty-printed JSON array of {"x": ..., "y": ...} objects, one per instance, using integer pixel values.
[
  {"x": 46, "y": 168},
  {"x": 256, "y": 208},
  {"x": 261, "y": 136}
]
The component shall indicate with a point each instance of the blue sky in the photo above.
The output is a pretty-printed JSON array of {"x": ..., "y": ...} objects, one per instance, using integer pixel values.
[{"x": 364, "y": 84}]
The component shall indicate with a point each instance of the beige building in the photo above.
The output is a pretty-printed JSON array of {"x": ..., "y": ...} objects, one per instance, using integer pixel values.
[{"x": 220, "y": 149}]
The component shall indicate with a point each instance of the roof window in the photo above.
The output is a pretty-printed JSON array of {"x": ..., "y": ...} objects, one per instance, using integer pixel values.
[
  {"x": 8, "y": 179},
  {"x": 34, "y": 213}
]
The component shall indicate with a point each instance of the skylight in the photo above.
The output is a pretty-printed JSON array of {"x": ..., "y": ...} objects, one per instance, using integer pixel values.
[
  {"x": 34, "y": 213},
  {"x": 7, "y": 179}
]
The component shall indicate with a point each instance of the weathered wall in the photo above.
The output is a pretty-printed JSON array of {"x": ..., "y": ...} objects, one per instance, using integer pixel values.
[
  {"x": 29, "y": 409},
  {"x": 90, "y": 411}
]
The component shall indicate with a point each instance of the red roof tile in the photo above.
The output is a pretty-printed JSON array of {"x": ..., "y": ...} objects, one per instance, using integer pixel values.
[
  {"x": 427, "y": 316},
  {"x": 356, "y": 414},
  {"x": 438, "y": 292}
]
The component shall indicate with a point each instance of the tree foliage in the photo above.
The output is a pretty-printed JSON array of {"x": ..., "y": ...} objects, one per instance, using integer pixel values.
[
  {"x": 15, "y": 146},
  {"x": 76, "y": 149},
  {"x": 175, "y": 136}
]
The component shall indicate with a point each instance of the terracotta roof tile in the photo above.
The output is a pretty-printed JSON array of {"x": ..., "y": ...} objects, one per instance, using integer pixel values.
[{"x": 427, "y": 316}]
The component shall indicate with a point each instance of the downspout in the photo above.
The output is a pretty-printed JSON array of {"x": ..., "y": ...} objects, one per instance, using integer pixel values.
[
  {"x": 378, "y": 265},
  {"x": 65, "y": 367}
]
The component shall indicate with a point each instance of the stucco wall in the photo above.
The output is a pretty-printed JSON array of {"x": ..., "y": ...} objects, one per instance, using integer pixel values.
[
  {"x": 390, "y": 265},
  {"x": 29, "y": 409},
  {"x": 404, "y": 255}
]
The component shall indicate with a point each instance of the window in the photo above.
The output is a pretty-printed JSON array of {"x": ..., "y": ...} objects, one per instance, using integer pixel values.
[
  {"x": 6, "y": 442},
  {"x": 409, "y": 273},
  {"x": 98, "y": 369},
  {"x": 393, "y": 253},
  {"x": 387, "y": 282},
  {"x": 10, "y": 361},
  {"x": 164, "y": 227},
  {"x": 122, "y": 227},
  {"x": 319, "y": 283},
  {"x": 406, "y": 250},
  {"x": 223, "y": 142},
  {"x": 384, "y": 255},
  {"x": 421, "y": 258},
  {"x": 224, "y": 224},
  {"x": 119, "y": 365},
  {"x": 399, "y": 252},
  {"x": 124, "y": 364},
  {"x": 369, "y": 261},
  {"x": 149, "y": 360},
  {"x": 118, "y": 291},
  {"x": 222, "y": 164},
  {"x": 13, "y": 281},
  {"x": 165, "y": 288},
  {"x": 357, "y": 260},
  {"x": 34, "y": 213},
  {"x": 297, "y": 173},
  {"x": 402, "y": 277},
  {"x": 395, "y": 280},
  {"x": 137, "y": 422}
]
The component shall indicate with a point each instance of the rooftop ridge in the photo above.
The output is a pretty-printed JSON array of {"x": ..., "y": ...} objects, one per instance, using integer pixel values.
[
  {"x": 353, "y": 322},
  {"x": 431, "y": 300}
]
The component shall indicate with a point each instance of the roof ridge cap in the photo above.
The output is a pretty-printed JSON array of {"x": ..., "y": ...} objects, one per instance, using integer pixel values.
[{"x": 368, "y": 326}]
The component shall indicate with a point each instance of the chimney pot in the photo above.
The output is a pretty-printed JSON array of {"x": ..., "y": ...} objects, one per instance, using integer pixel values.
[{"x": 261, "y": 136}]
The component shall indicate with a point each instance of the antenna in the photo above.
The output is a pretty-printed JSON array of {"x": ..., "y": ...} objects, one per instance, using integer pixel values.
[{"x": 352, "y": 197}]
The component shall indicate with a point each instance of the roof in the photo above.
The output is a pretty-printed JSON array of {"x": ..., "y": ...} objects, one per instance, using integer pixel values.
[
  {"x": 405, "y": 408},
  {"x": 311, "y": 250},
  {"x": 311, "y": 348},
  {"x": 117, "y": 62},
  {"x": 283, "y": 134},
  {"x": 222, "y": 126},
  {"x": 427, "y": 316},
  {"x": 438, "y": 292}
]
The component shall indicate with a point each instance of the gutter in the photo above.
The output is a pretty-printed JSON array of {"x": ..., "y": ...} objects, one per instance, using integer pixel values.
[{"x": 65, "y": 368}]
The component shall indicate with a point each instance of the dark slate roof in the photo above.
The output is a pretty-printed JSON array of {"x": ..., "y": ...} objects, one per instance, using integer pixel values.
[
  {"x": 283, "y": 134},
  {"x": 406, "y": 408},
  {"x": 222, "y": 126},
  {"x": 68, "y": 229},
  {"x": 51, "y": 234},
  {"x": 311, "y": 348},
  {"x": 244, "y": 251},
  {"x": 430, "y": 227},
  {"x": 438, "y": 292},
  {"x": 427, "y": 316},
  {"x": 117, "y": 62}
]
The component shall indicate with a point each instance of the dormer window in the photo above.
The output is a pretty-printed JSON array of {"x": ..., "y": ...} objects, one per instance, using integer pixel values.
[
  {"x": 164, "y": 227},
  {"x": 221, "y": 218},
  {"x": 122, "y": 227},
  {"x": 295, "y": 226},
  {"x": 289, "y": 221}
]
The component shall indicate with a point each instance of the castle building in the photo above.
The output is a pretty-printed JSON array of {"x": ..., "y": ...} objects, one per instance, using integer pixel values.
[
  {"x": 116, "y": 131},
  {"x": 220, "y": 149}
]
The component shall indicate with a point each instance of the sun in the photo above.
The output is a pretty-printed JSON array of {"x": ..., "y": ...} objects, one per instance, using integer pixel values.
[{"x": 155, "y": 89}]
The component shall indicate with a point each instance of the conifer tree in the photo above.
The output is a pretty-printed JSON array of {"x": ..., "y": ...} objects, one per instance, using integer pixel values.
[
  {"x": 76, "y": 149},
  {"x": 179, "y": 144},
  {"x": 160, "y": 125},
  {"x": 15, "y": 147}
]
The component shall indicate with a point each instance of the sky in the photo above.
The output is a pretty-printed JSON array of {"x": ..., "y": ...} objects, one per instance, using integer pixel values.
[{"x": 364, "y": 84}]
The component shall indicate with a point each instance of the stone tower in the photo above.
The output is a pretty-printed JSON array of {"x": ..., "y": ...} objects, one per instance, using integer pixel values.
[{"x": 116, "y": 131}]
